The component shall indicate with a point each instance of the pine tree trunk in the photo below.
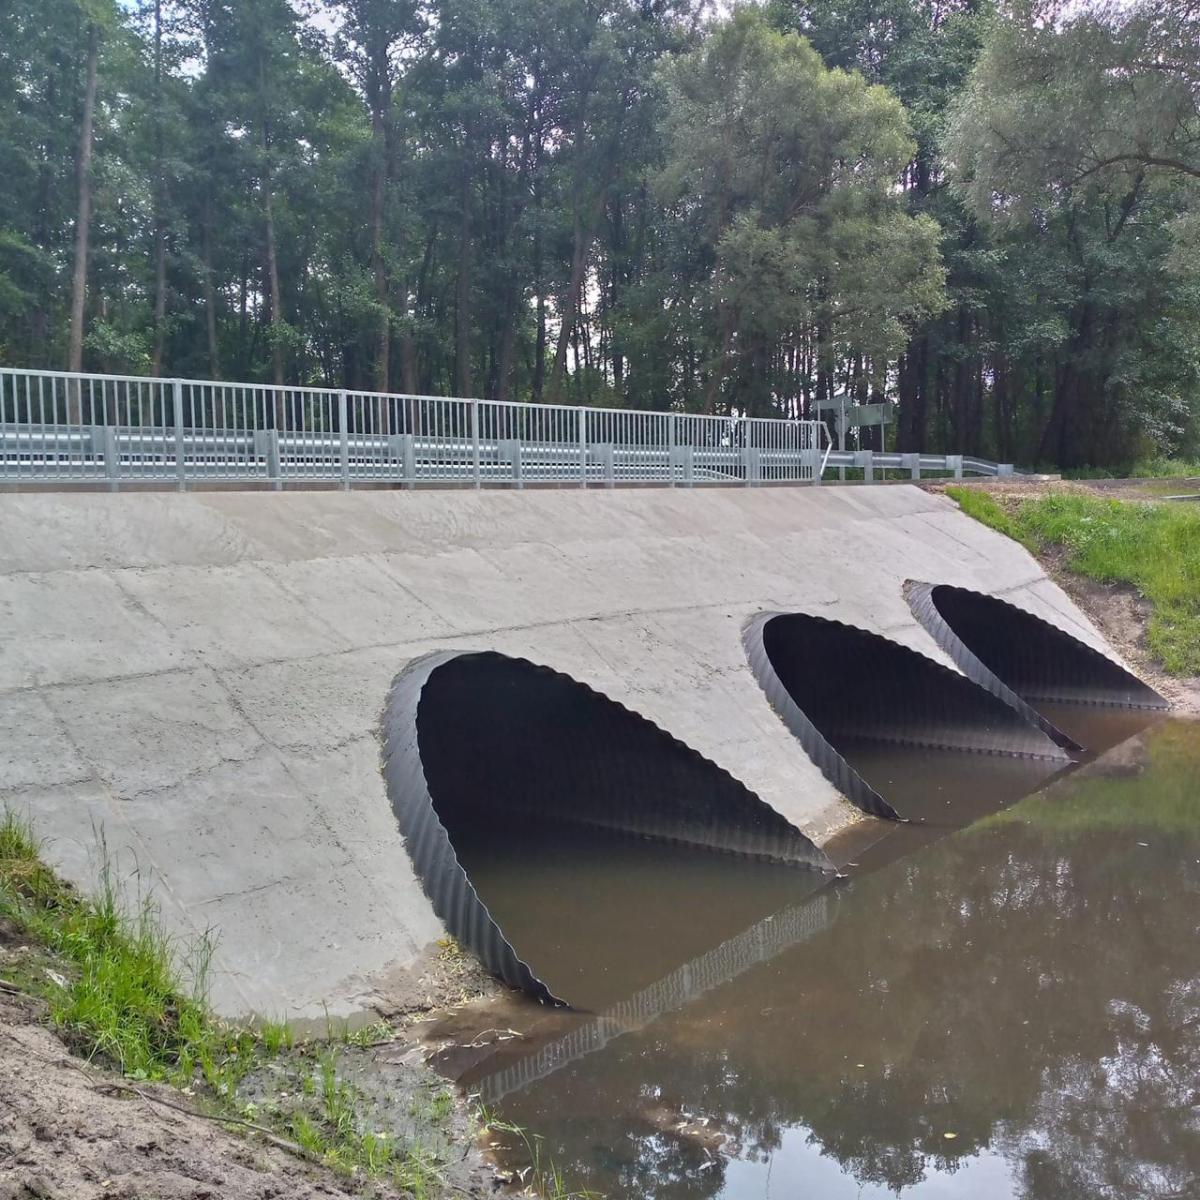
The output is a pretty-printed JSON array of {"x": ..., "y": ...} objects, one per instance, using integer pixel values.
[
  {"x": 273, "y": 288},
  {"x": 83, "y": 217},
  {"x": 462, "y": 294},
  {"x": 210, "y": 294},
  {"x": 160, "y": 216},
  {"x": 584, "y": 233},
  {"x": 539, "y": 352},
  {"x": 378, "y": 189}
]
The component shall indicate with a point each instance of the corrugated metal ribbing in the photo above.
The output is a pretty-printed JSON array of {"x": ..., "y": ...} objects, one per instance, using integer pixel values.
[
  {"x": 445, "y": 883},
  {"x": 1023, "y": 659},
  {"x": 828, "y": 681},
  {"x": 472, "y": 738}
]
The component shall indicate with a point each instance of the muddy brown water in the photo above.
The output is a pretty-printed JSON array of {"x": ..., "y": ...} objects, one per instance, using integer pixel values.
[
  {"x": 600, "y": 915},
  {"x": 1099, "y": 727},
  {"x": 1006, "y": 1009}
]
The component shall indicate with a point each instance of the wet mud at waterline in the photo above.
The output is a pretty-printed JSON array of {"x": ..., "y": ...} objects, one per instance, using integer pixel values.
[{"x": 1004, "y": 1010}]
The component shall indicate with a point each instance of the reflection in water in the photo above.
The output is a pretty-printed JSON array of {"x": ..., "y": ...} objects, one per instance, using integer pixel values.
[
  {"x": 938, "y": 790},
  {"x": 605, "y": 913},
  {"x": 1099, "y": 727},
  {"x": 1030, "y": 985}
]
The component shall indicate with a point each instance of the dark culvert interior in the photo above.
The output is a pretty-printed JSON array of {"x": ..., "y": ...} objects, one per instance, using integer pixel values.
[
  {"x": 605, "y": 851},
  {"x": 898, "y": 733},
  {"x": 1080, "y": 692}
]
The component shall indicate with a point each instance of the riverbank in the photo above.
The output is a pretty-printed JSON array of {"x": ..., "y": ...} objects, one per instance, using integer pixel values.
[
  {"x": 1131, "y": 563},
  {"x": 118, "y": 1081}
]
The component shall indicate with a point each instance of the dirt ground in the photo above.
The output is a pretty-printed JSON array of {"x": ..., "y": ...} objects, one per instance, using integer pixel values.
[
  {"x": 69, "y": 1131},
  {"x": 1117, "y": 610},
  {"x": 73, "y": 1131}
]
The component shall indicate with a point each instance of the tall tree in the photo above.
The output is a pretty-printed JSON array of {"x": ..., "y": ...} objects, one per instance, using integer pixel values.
[
  {"x": 787, "y": 169},
  {"x": 369, "y": 41},
  {"x": 83, "y": 207},
  {"x": 1103, "y": 107}
]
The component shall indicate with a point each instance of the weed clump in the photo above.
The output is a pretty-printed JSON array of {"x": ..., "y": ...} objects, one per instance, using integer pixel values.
[
  {"x": 114, "y": 994},
  {"x": 119, "y": 999}
]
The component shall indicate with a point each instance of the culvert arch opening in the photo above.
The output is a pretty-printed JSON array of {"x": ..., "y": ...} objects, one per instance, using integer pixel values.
[
  {"x": 1079, "y": 696},
  {"x": 565, "y": 840},
  {"x": 893, "y": 730}
]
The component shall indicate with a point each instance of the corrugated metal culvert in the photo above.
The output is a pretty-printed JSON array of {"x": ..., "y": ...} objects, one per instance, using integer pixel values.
[
  {"x": 831, "y": 683},
  {"x": 476, "y": 737},
  {"x": 1031, "y": 665}
]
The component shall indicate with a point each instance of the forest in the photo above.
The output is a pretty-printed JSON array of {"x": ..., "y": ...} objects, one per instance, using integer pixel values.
[{"x": 981, "y": 213}]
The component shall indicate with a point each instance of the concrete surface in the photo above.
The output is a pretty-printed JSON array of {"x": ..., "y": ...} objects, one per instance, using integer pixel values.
[{"x": 200, "y": 676}]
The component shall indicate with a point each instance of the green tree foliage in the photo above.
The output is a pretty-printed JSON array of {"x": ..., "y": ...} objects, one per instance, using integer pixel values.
[
  {"x": 784, "y": 171},
  {"x": 985, "y": 218},
  {"x": 1076, "y": 143}
]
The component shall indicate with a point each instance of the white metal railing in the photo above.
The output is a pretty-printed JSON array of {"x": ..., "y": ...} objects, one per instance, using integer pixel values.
[
  {"x": 913, "y": 464},
  {"x": 62, "y": 428}
]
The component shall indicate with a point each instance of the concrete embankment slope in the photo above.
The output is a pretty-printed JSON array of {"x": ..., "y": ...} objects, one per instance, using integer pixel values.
[{"x": 201, "y": 676}]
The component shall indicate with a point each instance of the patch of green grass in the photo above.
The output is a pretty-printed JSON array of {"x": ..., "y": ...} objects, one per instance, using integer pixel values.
[
  {"x": 276, "y": 1037},
  {"x": 434, "y": 1111},
  {"x": 334, "y": 1133},
  {"x": 441, "y": 1106},
  {"x": 118, "y": 998},
  {"x": 1146, "y": 468},
  {"x": 1165, "y": 468},
  {"x": 986, "y": 509},
  {"x": 1153, "y": 547},
  {"x": 24, "y": 878},
  {"x": 107, "y": 971}
]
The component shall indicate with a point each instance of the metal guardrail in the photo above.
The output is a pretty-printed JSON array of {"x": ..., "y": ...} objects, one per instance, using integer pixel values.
[
  {"x": 60, "y": 428},
  {"x": 916, "y": 465}
]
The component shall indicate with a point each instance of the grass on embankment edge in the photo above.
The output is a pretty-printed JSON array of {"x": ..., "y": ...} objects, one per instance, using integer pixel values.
[
  {"x": 106, "y": 973},
  {"x": 1154, "y": 548}
]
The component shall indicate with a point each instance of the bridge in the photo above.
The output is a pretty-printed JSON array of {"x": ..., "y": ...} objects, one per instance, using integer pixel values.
[
  {"x": 120, "y": 431},
  {"x": 202, "y": 675}
]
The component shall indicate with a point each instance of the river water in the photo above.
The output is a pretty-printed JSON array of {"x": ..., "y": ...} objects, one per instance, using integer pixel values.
[{"x": 1008, "y": 1009}]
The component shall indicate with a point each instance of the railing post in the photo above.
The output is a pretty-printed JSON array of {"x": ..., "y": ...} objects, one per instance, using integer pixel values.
[
  {"x": 404, "y": 447},
  {"x": 106, "y": 435},
  {"x": 866, "y": 460},
  {"x": 954, "y": 462},
  {"x": 814, "y": 452},
  {"x": 180, "y": 462},
  {"x": 583, "y": 448},
  {"x": 344, "y": 439},
  {"x": 913, "y": 463},
  {"x": 684, "y": 457},
  {"x": 752, "y": 459},
  {"x": 671, "y": 448},
  {"x": 475, "y": 443},
  {"x": 605, "y": 453},
  {"x": 266, "y": 445},
  {"x": 510, "y": 455}
]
